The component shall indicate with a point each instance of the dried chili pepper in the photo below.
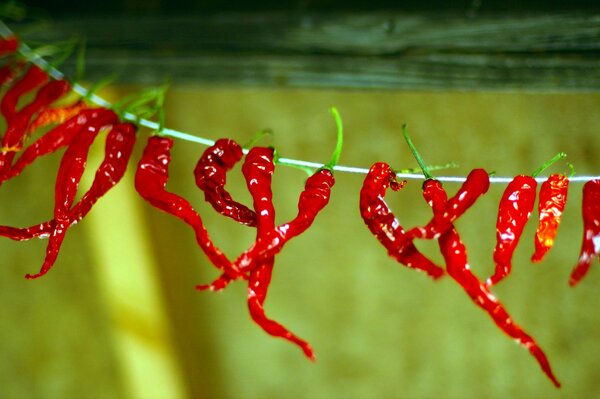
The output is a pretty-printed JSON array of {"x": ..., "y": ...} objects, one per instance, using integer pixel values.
[
  {"x": 476, "y": 184},
  {"x": 32, "y": 79},
  {"x": 69, "y": 174},
  {"x": 8, "y": 45},
  {"x": 258, "y": 170},
  {"x": 514, "y": 211},
  {"x": 56, "y": 115},
  {"x": 119, "y": 145},
  {"x": 150, "y": 182},
  {"x": 551, "y": 204},
  {"x": 457, "y": 266},
  {"x": 590, "y": 246},
  {"x": 211, "y": 175},
  {"x": 383, "y": 224}
]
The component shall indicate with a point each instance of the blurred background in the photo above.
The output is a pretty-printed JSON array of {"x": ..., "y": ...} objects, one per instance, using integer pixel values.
[{"x": 118, "y": 315}]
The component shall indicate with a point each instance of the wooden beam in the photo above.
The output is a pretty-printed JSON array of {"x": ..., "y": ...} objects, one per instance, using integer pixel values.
[{"x": 545, "y": 52}]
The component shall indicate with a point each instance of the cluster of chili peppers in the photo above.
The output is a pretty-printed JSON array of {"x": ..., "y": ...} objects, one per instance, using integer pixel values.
[
  {"x": 74, "y": 126},
  {"x": 256, "y": 264},
  {"x": 515, "y": 209}
]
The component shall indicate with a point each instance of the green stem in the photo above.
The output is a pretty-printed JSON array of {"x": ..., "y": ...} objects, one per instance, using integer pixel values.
[
  {"x": 416, "y": 154},
  {"x": 335, "y": 157},
  {"x": 257, "y": 137},
  {"x": 547, "y": 164},
  {"x": 449, "y": 165}
]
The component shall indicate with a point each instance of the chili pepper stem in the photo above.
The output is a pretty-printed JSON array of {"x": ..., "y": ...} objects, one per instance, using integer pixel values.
[
  {"x": 335, "y": 157},
  {"x": 416, "y": 154},
  {"x": 549, "y": 163},
  {"x": 257, "y": 137}
]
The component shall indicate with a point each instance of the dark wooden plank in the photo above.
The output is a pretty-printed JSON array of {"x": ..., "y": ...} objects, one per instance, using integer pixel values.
[{"x": 376, "y": 50}]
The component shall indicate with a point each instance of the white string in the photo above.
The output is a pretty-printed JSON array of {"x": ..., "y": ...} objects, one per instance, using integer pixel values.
[{"x": 29, "y": 54}]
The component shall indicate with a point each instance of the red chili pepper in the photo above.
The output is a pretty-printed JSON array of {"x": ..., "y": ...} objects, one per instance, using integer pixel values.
[
  {"x": 383, "y": 224},
  {"x": 455, "y": 256},
  {"x": 514, "y": 211},
  {"x": 8, "y": 45},
  {"x": 211, "y": 175},
  {"x": 56, "y": 115},
  {"x": 33, "y": 78},
  {"x": 551, "y": 204},
  {"x": 590, "y": 246},
  {"x": 10, "y": 71},
  {"x": 119, "y": 145},
  {"x": 476, "y": 184},
  {"x": 69, "y": 174},
  {"x": 150, "y": 182},
  {"x": 258, "y": 170}
]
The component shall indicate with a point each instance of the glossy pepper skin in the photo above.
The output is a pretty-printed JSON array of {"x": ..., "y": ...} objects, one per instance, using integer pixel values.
[
  {"x": 56, "y": 115},
  {"x": 119, "y": 146},
  {"x": 258, "y": 170},
  {"x": 457, "y": 266},
  {"x": 314, "y": 197},
  {"x": 590, "y": 246},
  {"x": 551, "y": 204},
  {"x": 31, "y": 80},
  {"x": 476, "y": 184},
  {"x": 383, "y": 224},
  {"x": 17, "y": 129},
  {"x": 211, "y": 175},
  {"x": 69, "y": 175},
  {"x": 151, "y": 178},
  {"x": 515, "y": 209}
]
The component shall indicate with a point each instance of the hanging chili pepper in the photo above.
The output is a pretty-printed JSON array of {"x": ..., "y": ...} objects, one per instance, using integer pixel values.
[
  {"x": 56, "y": 115},
  {"x": 8, "y": 45},
  {"x": 69, "y": 174},
  {"x": 552, "y": 201},
  {"x": 457, "y": 266},
  {"x": 514, "y": 211},
  {"x": 150, "y": 182},
  {"x": 31, "y": 80},
  {"x": 383, "y": 224},
  {"x": 258, "y": 170},
  {"x": 119, "y": 145},
  {"x": 476, "y": 184},
  {"x": 590, "y": 246},
  {"x": 211, "y": 175},
  {"x": 10, "y": 71}
]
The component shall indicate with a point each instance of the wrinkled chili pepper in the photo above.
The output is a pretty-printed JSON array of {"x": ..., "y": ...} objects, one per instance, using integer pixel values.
[
  {"x": 211, "y": 175},
  {"x": 457, "y": 266},
  {"x": 69, "y": 174},
  {"x": 32, "y": 79},
  {"x": 551, "y": 204},
  {"x": 383, "y": 224},
  {"x": 18, "y": 127},
  {"x": 258, "y": 170},
  {"x": 51, "y": 141},
  {"x": 8, "y": 45},
  {"x": 151, "y": 179},
  {"x": 118, "y": 148},
  {"x": 56, "y": 115},
  {"x": 590, "y": 246},
  {"x": 476, "y": 184},
  {"x": 515, "y": 208}
]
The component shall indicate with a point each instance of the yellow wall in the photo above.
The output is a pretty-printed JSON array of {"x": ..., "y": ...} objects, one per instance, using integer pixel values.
[{"x": 379, "y": 329}]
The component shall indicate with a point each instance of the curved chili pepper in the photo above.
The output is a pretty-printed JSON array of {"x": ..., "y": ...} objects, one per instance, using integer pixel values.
[
  {"x": 119, "y": 145},
  {"x": 590, "y": 246},
  {"x": 8, "y": 45},
  {"x": 151, "y": 179},
  {"x": 314, "y": 197},
  {"x": 211, "y": 175},
  {"x": 476, "y": 184},
  {"x": 17, "y": 128},
  {"x": 32, "y": 79},
  {"x": 69, "y": 174},
  {"x": 258, "y": 170},
  {"x": 457, "y": 266},
  {"x": 10, "y": 71},
  {"x": 515, "y": 208},
  {"x": 551, "y": 204},
  {"x": 57, "y": 115},
  {"x": 383, "y": 224}
]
